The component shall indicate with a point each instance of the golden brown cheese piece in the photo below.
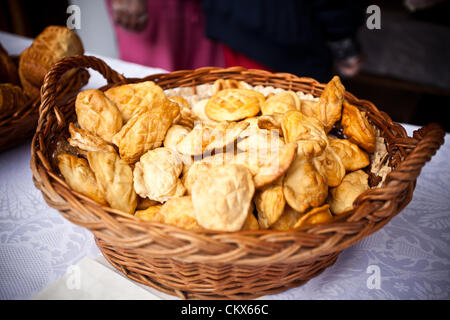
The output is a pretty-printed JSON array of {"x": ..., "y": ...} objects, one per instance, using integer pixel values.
[
  {"x": 252, "y": 127},
  {"x": 51, "y": 45},
  {"x": 315, "y": 216},
  {"x": 145, "y": 203},
  {"x": 267, "y": 169},
  {"x": 342, "y": 197},
  {"x": 271, "y": 122},
  {"x": 8, "y": 69},
  {"x": 97, "y": 114},
  {"x": 297, "y": 128},
  {"x": 151, "y": 214},
  {"x": 357, "y": 128},
  {"x": 222, "y": 197},
  {"x": 115, "y": 179},
  {"x": 330, "y": 165},
  {"x": 250, "y": 223},
  {"x": 198, "y": 110},
  {"x": 219, "y": 158},
  {"x": 145, "y": 131},
  {"x": 379, "y": 167},
  {"x": 30, "y": 90},
  {"x": 196, "y": 141},
  {"x": 222, "y": 84},
  {"x": 287, "y": 220},
  {"x": 254, "y": 139},
  {"x": 281, "y": 103},
  {"x": 156, "y": 175},
  {"x": 205, "y": 139},
  {"x": 188, "y": 161},
  {"x": 179, "y": 212},
  {"x": 174, "y": 135},
  {"x": 135, "y": 97},
  {"x": 186, "y": 117},
  {"x": 303, "y": 185},
  {"x": 194, "y": 173},
  {"x": 270, "y": 203},
  {"x": 234, "y": 105},
  {"x": 261, "y": 141},
  {"x": 12, "y": 98},
  {"x": 79, "y": 176},
  {"x": 224, "y": 135},
  {"x": 353, "y": 158},
  {"x": 329, "y": 108},
  {"x": 85, "y": 141},
  {"x": 308, "y": 107}
]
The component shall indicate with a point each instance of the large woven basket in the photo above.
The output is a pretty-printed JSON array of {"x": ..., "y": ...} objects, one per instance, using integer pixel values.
[
  {"x": 21, "y": 125},
  {"x": 221, "y": 265}
]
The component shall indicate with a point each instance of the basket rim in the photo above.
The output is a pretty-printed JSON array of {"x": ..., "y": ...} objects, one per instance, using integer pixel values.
[{"x": 372, "y": 209}]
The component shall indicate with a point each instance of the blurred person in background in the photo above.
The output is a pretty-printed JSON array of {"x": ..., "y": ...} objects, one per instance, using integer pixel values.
[
  {"x": 169, "y": 34},
  {"x": 304, "y": 37}
]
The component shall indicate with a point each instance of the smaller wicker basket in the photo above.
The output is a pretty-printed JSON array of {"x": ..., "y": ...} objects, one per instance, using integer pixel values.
[
  {"x": 230, "y": 265},
  {"x": 21, "y": 125}
]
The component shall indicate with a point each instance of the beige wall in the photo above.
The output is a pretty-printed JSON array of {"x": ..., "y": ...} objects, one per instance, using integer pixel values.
[{"x": 96, "y": 30}]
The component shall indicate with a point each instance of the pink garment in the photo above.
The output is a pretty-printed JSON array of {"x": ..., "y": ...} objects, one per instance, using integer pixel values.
[{"x": 174, "y": 38}]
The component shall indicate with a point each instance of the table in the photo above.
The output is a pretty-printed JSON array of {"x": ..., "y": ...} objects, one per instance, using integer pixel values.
[{"x": 411, "y": 254}]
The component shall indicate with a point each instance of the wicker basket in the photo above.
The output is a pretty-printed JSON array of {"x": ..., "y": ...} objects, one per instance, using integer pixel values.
[
  {"x": 220, "y": 265},
  {"x": 21, "y": 125}
]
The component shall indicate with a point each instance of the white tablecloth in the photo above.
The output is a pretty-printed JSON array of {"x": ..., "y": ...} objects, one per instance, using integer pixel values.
[{"x": 411, "y": 253}]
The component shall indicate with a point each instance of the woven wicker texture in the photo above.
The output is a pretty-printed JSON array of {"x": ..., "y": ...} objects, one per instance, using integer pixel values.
[
  {"x": 220, "y": 265},
  {"x": 21, "y": 125}
]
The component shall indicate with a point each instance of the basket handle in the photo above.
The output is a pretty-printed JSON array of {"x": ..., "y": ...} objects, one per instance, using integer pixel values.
[
  {"x": 49, "y": 87},
  {"x": 378, "y": 202},
  {"x": 429, "y": 139}
]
